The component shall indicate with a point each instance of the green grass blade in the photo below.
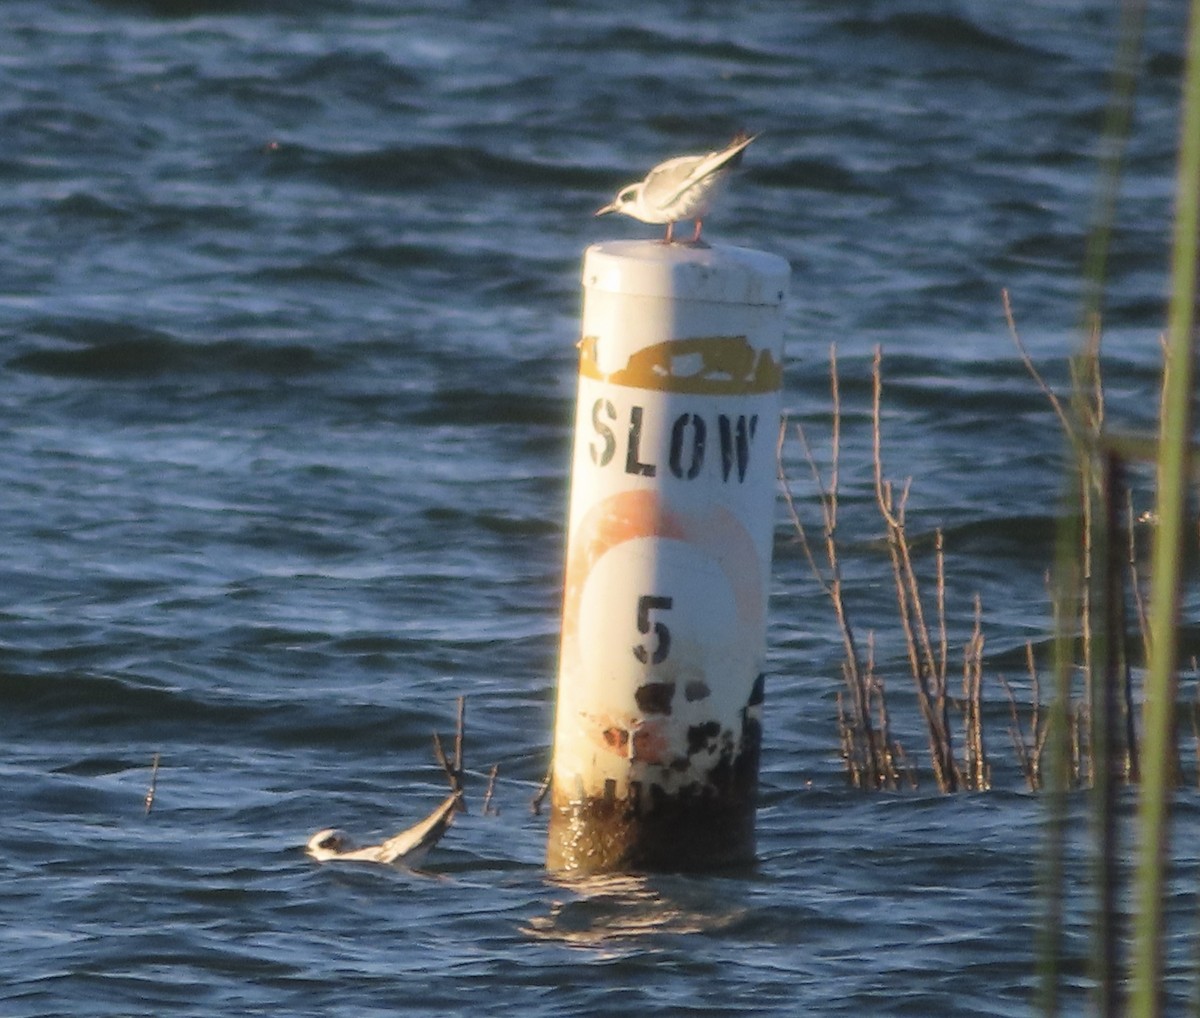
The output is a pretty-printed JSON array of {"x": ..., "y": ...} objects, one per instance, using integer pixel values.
[{"x": 1167, "y": 558}]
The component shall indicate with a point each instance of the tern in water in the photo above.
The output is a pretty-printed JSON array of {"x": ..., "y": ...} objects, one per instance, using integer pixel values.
[
  {"x": 681, "y": 188},
  {"x": 408, "y": 848}
]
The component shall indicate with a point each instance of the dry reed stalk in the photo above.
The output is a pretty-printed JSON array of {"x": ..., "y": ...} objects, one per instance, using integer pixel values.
[
  {"x": 454, "y": 768},
  {"x": 977, "y": 773},
  {"x": 1128, "y": 709},
  {"x": 1129, "y": 715},
  {"x": 535, "y": 804},
  {"x": 890, "y": 751},
  {"x": 864, "y": 752},
  {"x": 1071, "y": 716},
  {"x": 872, "y": 757},
  {"x": 487, "y": 808},
  {"x": 1085, "y": 622},
  {"x": 928, "y": 676},
  {"x": 1135, "y": 579},
  {"x": 459, "y": 729},
  {"x": 1025, "y": 758},
  {"x": 940, "y": 563},
  {"x": 1041, "y": 728},
  {"x": 1088, "y": 403},
  {"x": 1029, "y": 754},
  {"x": 1104, "y": 756},
  {"x": 1030, "y": 367},
  {"x": 847, "y": 744},
  {"x": 1122, "y": 579},
  {"x": 1083, "y": 425},
  {"x": 153, "y": 785}
]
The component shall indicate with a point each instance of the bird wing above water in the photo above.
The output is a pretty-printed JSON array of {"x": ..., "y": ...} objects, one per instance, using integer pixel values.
[
  {"x": 669, "y": 182},
  {"x": 408, "y": 848},
  {"x": 411, "y": 846}
]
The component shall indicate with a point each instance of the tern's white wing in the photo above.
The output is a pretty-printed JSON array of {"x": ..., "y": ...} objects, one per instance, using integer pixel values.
[
  {"x": 684, "y": 187},
  {"x": 664, "y": 183},
  {"x": 411, "y": 846},
  {"x": 707, "y": 169}
]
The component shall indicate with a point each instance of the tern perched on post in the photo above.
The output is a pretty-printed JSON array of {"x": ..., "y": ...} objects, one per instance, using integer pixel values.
[
  {"x": 408, "y": 848},
  {"x": 681, "y": 188}
]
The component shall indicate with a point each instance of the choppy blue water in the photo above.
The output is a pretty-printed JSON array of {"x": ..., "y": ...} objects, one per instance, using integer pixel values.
[{"x": 288, "y": 302}]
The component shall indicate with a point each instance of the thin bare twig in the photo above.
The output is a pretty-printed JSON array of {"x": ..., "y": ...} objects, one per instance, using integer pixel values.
[
  {"x": 862, "y": 750},
  {"x": 444, "y": 761},
  {"x": 459, "y": 729},
  {"x": 930, "y": 681},
  {"x": 535, "y": 806},
  {"x": 1036, "y": 375},
  {"x": 846, "y": 742},
  {"x": 1135, "y": 580},
  {"x": 488, "y": 810},
  {"x": 454, "y": 768},
  {"x": 1018, "y": 737},
  {"x": 940, "y": 561},
  {"x": 790, "y": 502},
  {"x": 978, "y": 773},
  {"x": 153, "y": 785}
]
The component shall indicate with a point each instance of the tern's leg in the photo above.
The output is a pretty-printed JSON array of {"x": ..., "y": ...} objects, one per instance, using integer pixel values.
[
  {"x": 696, "y": 235},
  {"x": 670, "y": 230}
]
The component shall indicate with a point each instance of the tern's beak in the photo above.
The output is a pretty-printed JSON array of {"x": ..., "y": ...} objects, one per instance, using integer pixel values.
[{"x": 610, "y": 207}]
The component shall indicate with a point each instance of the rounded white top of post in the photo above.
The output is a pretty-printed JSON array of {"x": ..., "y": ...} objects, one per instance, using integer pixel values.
[{"x": 720, "y": 273}]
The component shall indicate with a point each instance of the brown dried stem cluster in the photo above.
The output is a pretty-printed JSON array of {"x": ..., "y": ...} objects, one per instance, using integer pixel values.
[
  {"x": 1098, "y": 607},
  {"x": 874, "y": 759},
  {"x": 1092, "y": 611}
]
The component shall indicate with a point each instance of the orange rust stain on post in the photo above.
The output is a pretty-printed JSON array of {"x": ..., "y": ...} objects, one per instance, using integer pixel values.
[
  {"x": 616, "y": 739},
  {"x": 651, "y": 742}
]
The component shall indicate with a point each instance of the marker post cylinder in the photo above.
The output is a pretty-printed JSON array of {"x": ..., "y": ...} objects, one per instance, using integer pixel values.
[{"x": 660, "y": 689}]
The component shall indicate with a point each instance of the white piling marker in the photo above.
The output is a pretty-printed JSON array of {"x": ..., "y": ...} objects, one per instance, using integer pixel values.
[{"x": 658, "y": 723}]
